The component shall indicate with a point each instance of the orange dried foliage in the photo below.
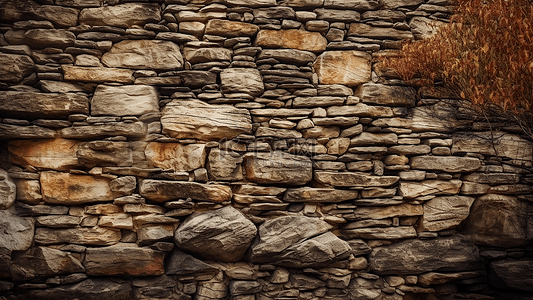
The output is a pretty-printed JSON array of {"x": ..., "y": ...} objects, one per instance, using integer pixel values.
[{"x": 486, "y": 52}]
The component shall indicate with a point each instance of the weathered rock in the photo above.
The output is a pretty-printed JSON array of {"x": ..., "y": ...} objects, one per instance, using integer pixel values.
[
  {"x": 97, "y": 74},
  {"x": 90, "y": 289},
  {"x": 494, "y": 143},
  {"x": 251, "y": 3},
  {"x": 509, "y": 274},
  {"x": 160, "y": 191},
  {"x": 177, "y": 157},
  {"x": 278, "y": 167},
  {"x": 57, "y": 221},
  {"x": 119, "y": 221},
  {"x": 291, "y": 38},
  {"x": 386, "y": 95},
  {"x": 317, "y": 101},
  {"x": 378, "y": 213},
  {"x": 367, "y": 31},
  {"x": 42, "y": 105},
  {"x": 244, "y": 287},
  {"x": 135, "y": 129},
  {"x": 424, "y": 28},
  {"x": 72, "y": 189},
  {"x": 349, "y": 68},
  {"x": 353, "y": 179},
  {"x": 304, "y": 3},
  {"x": 198, "y": 120},
  {"x": 433, "y": 278},
  {"x": 452, "y": 164},
  {"x": 230, "y": 28},
  {"x": 385, "y": 233},
  {"x": 122, "y": 15},
  {"x": 225, "y": 165},
  {"x": 150, "y": 234},
  {"x": 499, "y": 221},
  {"x": 310, "y": 195},
  {"x": 297, "y": 242},
  {"x": 105, "y": 153},
  {"x": 84, "y": 236},
  {"x": 53, "y": 38},
  {"x": 374, "y": 139},
  {"x": 144, "y": 54},
  {"x": 293, "y": 56},
  {"x": 8, "y": 191},
  {"x": 359, "y": 5},
  {"x": 223, "y": 235},
  {"x": 360, "y": 110},
  {"x": 420, "y": 256},
  {"x": 429, "y": 187},
  {"x": 124, "y": 259},
  {"x": 442, "y": 213},
  {"x": 57, "y": 154},
  {"x": 14, "y": 68},
  {"x": 391, "y": 4},
  {"x": 183, "y": 264},
  {"x": 43, "y": 262},
  {"x": 28, "y": 191},
  {"x": 17, "y": 232},
  {"x": 241, "y": 80},
  {"x": 196, "y": 55}
]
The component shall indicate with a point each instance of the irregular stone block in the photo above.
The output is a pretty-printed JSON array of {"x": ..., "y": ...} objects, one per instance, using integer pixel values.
[
  {"x": 291, "y": 38},
  {"x": 95, "y": 236},
  {"x": 386, "y": 233},
  {"x": 97, "y": 74},
  {"x": 353, "y": 179},
  {"x": 72, "y": 189},
  {"x": 183, "y": 264},
  {"x": 442, "y": 213},
  {"x": 304, "y": 3},
  {"x": 177, "y": 157},
  {"x": 135, "y": 129},
  {"x": 126, "y": 100},
  {"x": 433, "y": 278},
  {"x": 448, "y": 254},
  {"x": 225, "y": 165},
  {"x": 194, "y": 119},
  {"x": 42, "y": 105},
  {"x": 452, "y": 164},
  {"x": 28, "y": 191},
  {"x": 374, "y": 139},
  {"x": 242, "y": 80},
  {"x": 17, "y": 232},
  {"x": 144, "y": 54},
  {"x": 319, "y": 101},
  {"x": 14, "y": 68},
  {"x": 122, "y": 15},
  {"x": 161, "y": 191},
  {"x": 359, "y": 5},
  {"x": 278, "y": 167},
  {"x": 196, "y": 55},
  {"x": 57, "y": 221},
  {"x": 124, "y": 259},
  {"x": 291, "y": 56},
  {"x": 378, "y": 213},
  {"x": 429, "y": 187},
  {"x": 8, "y": 191},
  {"x": 49, "y": 38},
  {"x": 424, "y": 28},
  {"x": 509, "y": 274},
  {"x": 105, "y": 154},
  {"x": 90, "y": 289},
  {"x": 80, "y": 3},
  {"x": 367, "y": 31},
  {"x": 386, "y": 95},
  {"x": 220, "y": 235},
  {"x": 360, "y": 110},
  {"x": 150, "y": 234},
  {"x": 311, "y": 195},
  {"x": 349, "y": 68},
  {"x": 43, "y": 262},
  {"x": 230, "y": 28}
]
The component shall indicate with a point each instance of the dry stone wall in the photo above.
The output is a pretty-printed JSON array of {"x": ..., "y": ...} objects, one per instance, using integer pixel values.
[{"x": 247, "y": 149}]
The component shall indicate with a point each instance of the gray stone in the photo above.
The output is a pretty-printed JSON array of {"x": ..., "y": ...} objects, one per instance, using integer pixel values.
[
  {"x": 198, "y": 120},
  {"x": 183, "y": 264},
  {"x": 225, "y": 165},
  {"x": 144, "y": 54},
  {"x": 53, "y": 38},
  {"x": 241, "y": 80},
  {"x": 50, "y": 86},
  {"x": 161, "y": 191},
  {"x": 17, "y": 232},
  {"x": 360, "y": 110},
  {"x": 386, "y": 233},
  {"x": 347, "y": 179},
  {"x": 509, "y": 274},
  {"x": 14, "y": 68},
  {"x": 126, "y": 100},
  {"x": 420, "y": 256},
  {"x": 84, "y": 236},
  {"x": 105, "y": 153},
  {"x": 452, "y": 164},
  {"x": 8, "y": 191},
  {"x": 42, "y": 262},
  {"x": 222, "y": 235},
  {"x": 123, "y": 15},
  {"x": 429, "y": 187},
  {"x": 42, "y": 105},
  {"x": 374, "y": 139},
  {"x": 244, "y": 287},
  {"x": 442, "y": 213},
  {"x": 311, "y": 195},
  {"x": 386, "y": 95},
  {"x": 278, "y": 167}
]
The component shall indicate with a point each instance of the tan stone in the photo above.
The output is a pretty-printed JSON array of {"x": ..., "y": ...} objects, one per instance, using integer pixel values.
[
  {"x": 353, "y": 179},
  {"x": 123, "y": 15},
  {"x": 97, "y": 74},
  {"x": 42, "y": 105},
  {"x": 13, "y": 67},
  {"x": 291, "y": 38},
  {"x": 367, "y": 31},
  {"x": 385, "y": 233},
  {"x": 177, "y": 157},
  {"x": 429, "y": 187},
  {"x": 71, "y": 189},
  {"x": 338, "y": 146},
  {"x": 494, "y": 143},
  {"x": 447, "y": 212},
  {"x": 28, "y": 191},
  {"x": 241, "y": 80},
  {"x": 378, "y": 213},
  {"x": 144, "y": 54},
  {"x": 120, "y": 221},
  {"x": 278, "y": 167},
  {"x": 230, "y": 28},
  {"x": 161, "y": 191},
  {"x": 58, "y": 154},
  {"x": 83, "y": 236},
  {"x": 310, "y": 195},
  {"x": 452, "y": 164},
  {"x": 196, "y": 55},
  {"x": 349, "y": 68}
]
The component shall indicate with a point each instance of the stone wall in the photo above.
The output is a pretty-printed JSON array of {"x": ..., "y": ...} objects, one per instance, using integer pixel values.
[{"x": 247, "y": 149}]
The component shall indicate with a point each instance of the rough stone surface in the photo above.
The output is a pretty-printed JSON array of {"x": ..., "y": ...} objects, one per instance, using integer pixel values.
[
  {"x": 242, "y": 80},
  {"x": 183, "y": 264},
  {"x": 291, "y": 38},
  {"x": 353, "y": 179},
  {"x": 278, "y": 167},
  {"x": 223, "y": 235},
  {"x": 97, "y": 74},
  {"x": 8, "y": 191},
  {"x": 160, "y": 190},
  {"x": 144, "y": 54},
  {"x": 350, "y": 68},
  {"x": 42, "y": 105},
  {"x": 438, "y": 187},
  {"x": 450, "y": 164},
  {"x": 386, "y": 95},
  {"x": 442, "y": 213},
  {"x": 90, "y": 289},
  {"x": 177, "y": 157},
  {"x": 124, "y": 15},
  {"x": 96, "y": 236},
  {"x": 230, "y": 28},
  {"x": 310, "y": 195},
  {"x": 14, "y": 68},
  {"x": 17, "y": 232},
  {"x": 57, "y": 154},
  {"x": 510, "y": 274},
  {"x": 132, "y": 100}
]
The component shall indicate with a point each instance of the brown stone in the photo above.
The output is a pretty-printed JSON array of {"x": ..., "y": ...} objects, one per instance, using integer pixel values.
[
  {"x": 105, "y": 154},
  {"x": 278, "y": 167},
  {"x": 177, "y": 157},
  {"x": 452, "y": 164},
  {"x": 144, "y": 54},
  {"x": 53, "y": 38},
  {"x": 97, "y": 74},
  {"x": 348, "y": 179},
  {"x": 349, "y": 68},
  {"x": 447, "y": 212},
  {"x": 230, "y": 28},
  {"x": 123, "y": 15},
  {"x": 241, "y": 80},
  {"x": 367, "y": 31},
  {"x": 429, "y": 187},
  {"x": 377, "y": 213},
  {"x": 311, "y": 195},
  {"x": 14, "y": 68},
  {"x": 58, "y": 154},
  {"x": 42, "y": 105},
  {"x": 291, "y": 38},
  {"x": 161, "y": 191},
  {"x": 386, "y": 95},
  {"x": 96, "y": 236},
  {"x": 17, "y": 232}
]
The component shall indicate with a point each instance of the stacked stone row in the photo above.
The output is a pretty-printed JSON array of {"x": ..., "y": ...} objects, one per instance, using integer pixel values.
[{"x": 246, "y": 150}]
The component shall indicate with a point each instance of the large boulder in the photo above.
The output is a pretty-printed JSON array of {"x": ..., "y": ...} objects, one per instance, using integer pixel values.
[
  {"x": 221, "y": 235},
  {"x": 350, "y": 68},
  {"x": 123, "y": 15},
  {"x": 278, "y": 167},
  {"x": 511, "y": 274},
  {"x": 144, "y": 54},
  {"x": 297, "y": 242},
  {"x": 419, "y": 256}
]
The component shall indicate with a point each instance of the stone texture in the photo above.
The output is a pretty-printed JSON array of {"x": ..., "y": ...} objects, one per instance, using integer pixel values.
[
  {"x": 429, "y": 187},
  {"x": 45, "y": 38},
  {"x": 130, "y": 129},
  {"x": 72, "y": 189},
  {"x": 367, "y": 31},
  {"x": 450, "y": 164},
  {"x": 57, "y": 154},
  {"x": 291, "y": 38},
  {"x": 124, "y": 259},
  {"x": 424, "y": 28},
  {"x": 293, "y": 56},
  {"x": 14, "y": 68},
  {"x": 42, "y": 105},
  {"x": 225, "y": 165},
  {"x": 105, "y": 154},
  {"x": 346, "y": 179},
  {"x": 494, "y": 143},
  {"x": 297, "y": 242},
  {"x": 374, "y": 139},
  {"x": 386, "y": 233},
  {"x": 96, "y": 236},
  {"x": 310, "y": 195},
  {"x": 230, "y": 28},
  {"x": 386, "y": 95},
  {"x": 8, "y": 191},
  {"x": 278, "y": 167},
  {"x": 509, "y": 274},
  {"x": 196, "y": 55},
  {"x": 359, "y": 5},
  {"x": 378, "y": 213},
  {"x": 183, "y": 264},
  {"x": 43, "y": 262},
  {"x": 499, "y": 221},
  {"x": 97, "y": 74},
  {"x": 90, "y": 289},
  {"x": 419, "y": 256},
  {"x": 198, "y": 120},
  {"x": 160, "y": 191},
  {"x": 144, "y": 54},
  {"x": 221, "y": 235},
  {"x": 123, "y": 15},
  {"x": 241, "y": 80},
  {"x": 442, "y": 213},
  {"x": 17, "y": 232},
  {"x": 349, "y": 68},
  {"x": 177, "y": 157}
]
